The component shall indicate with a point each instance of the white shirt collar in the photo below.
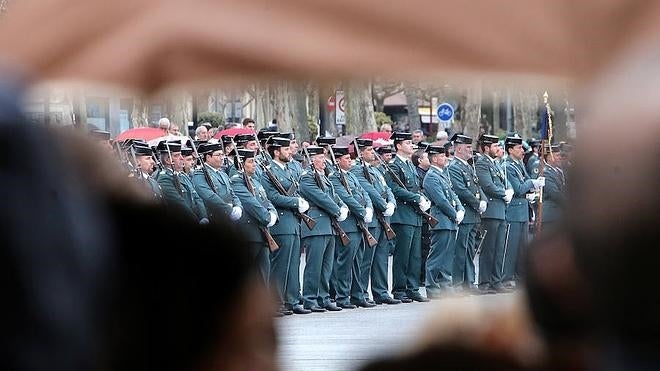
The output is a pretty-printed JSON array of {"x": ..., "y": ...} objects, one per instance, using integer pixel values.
[
  {"x": 437, "y": 168},
  {"x": 461, "y": 160},
  {"x": 281, "y": 165},
  {"x": 402, "y": 158}
]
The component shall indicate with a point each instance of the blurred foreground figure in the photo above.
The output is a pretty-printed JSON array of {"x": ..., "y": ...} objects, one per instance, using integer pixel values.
[{"x": 87, "y": 290}]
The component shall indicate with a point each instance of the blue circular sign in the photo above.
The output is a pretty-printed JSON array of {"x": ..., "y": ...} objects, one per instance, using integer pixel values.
[{"x": 445, "y": 112}]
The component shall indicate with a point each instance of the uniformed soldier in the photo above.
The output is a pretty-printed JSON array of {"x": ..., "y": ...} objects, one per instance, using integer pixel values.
[
  {"x": 420, "y": 159},
  {"x": 102, "y": 138},
  {"x": 375, "y": 260},
  {"x": 517, "y": 213},
  {"x": 259, "y": 213},
  {"x": 285, "y": 262},
  {"x": 324, "y": 142},
  {"x": 466, "y": 186},
  {"x": 213, "y": 185},
  {"x": 244, "y": 141},
  {"x": 145, "y": 163},
  {"x": 386, "y": 153},
  {"x": 346, "y": 269},
  {"x": 554, "y": 198},
  {"x": 176, "y": 187},
  {"x": 319, "y": 243},
  {"x": 493, "y": 221},
  {"x": 448, "y": 210},
  {"x": 189, "y": 159},
  {"x": 296, "y": 165},
  {"x": 533, "y": 163},
  {"x": 406, "y": 221}
]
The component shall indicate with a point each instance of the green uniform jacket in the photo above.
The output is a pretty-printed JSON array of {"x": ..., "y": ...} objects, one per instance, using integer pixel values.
[
  {"x": 465, "y": 184},
  {"x": 553, "y": 194},
  {"x": 287, "y": 222},
  {"x": 491, "y": 180},
  {"x": 186, "y": 198},
  {"x": 296, "y": 169},
  {"x": 357, "y": 200},
  {"x": 323, "y": 203},
  {"x": 376, "y": 187},
  {"x": 256, "y": 207},
  {"x": 220, "y": 199},
  {"x": 437, "y": 186},
  {"x": 521, "y": 183},
  {"x": 407, "y": 198},
  {"x": 533, "y": 166}
]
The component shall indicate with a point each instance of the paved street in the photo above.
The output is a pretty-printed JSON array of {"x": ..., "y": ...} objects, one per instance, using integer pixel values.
[{"x": 344, "y": 340}]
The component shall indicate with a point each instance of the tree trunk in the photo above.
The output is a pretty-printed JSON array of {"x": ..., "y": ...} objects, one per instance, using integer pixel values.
[
  {"x": 471, "y": 117},
  {"x": 412, "y": 95},
  {"x": 290, "y": 107},
  {"x": 181, "y": 110},
  {"x": 359, "y": 109},
  {"x": 264, "y": 112},
  {"x": 140, "y": 113},
  {"x": 525, "y": 110}
]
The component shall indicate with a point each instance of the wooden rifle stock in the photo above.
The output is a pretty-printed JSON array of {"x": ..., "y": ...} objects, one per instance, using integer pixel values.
[
  {"x": 340, "y": 232},
  {"x": 389, "y": 232}
]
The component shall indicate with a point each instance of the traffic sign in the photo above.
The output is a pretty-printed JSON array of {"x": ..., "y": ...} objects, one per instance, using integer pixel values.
[
  {"x": 340, "y": 115},
  {"x": 331, "y": 103},
  {"x": 445, "y": 112}
]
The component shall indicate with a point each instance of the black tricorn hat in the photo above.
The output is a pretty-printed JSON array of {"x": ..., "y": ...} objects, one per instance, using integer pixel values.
[
  {"x": 384, "y": 150},
  {"x": 432, "y": 150},
  {"x": 278, "y": 142},
  {"x": 398, "y": 136},
  {"x": 488, "y": 139},
  {"x": 246, "y": 153},
  {"x": 512, "y": 141},
  {"x": 462, "y": 139},
  {"x": 326, "y": 141},
  {"x": 209, "y": 147},
  {"x": 174, "y": 146},
  {"x": 364, "y": 142},
  {"x": 314, "y": 150},
  {"x": 340, "y": 151}
]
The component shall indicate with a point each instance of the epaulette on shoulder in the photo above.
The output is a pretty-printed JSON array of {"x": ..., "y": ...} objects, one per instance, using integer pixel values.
[{"x": 305, "y": 172}]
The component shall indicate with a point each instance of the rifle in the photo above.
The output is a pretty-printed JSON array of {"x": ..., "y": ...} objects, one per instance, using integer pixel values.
[
  {"x": 309, "y": 221},
  {"x": 272, "y": 245},
  {"x": 371, "y": 241},
  {"x": 205, "y": 171},
  {"x": 539, "y": 219},
  {"x": 428, "y": 217},
  {"x": 177, "y": 182},
  {"x": 122, "y": 159},
  {"x": 333, "y": 221},
  {"x": 136, "y": 170},
  {"x": 389, "y": 233}
]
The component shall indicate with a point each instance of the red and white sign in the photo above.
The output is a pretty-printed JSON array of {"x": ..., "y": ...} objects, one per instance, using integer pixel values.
[
  {"x": 340, "y": 115},
  {"x": 331, "y": 103}
]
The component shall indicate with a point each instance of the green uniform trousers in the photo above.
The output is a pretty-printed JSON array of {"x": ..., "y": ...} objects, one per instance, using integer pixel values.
[
  {"x": 407, "y": 261},
  {"x": 440, "y": 261},
  {"x": 514, "y": 248},
  {"x": 463, "y": 267},
  {"x": 285, "y": 268},
  {"x": 491, "y": 259},
  {"x": 320, "y": 251},
  {"x": 342, "y": 270}
]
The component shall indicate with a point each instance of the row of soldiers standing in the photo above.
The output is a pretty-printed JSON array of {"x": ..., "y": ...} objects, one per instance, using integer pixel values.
[{"x": 349, "y": 216}]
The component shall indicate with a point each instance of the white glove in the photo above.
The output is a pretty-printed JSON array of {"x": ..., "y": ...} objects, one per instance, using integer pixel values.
[
  {"x": 303, "y": 205},
  {"x": 369, "y": 215},
  {"x": 508, "y": 195},
  {"x": 203, "y": 221},
  {"x": 531, "y": 197},
  {"x": 273, "y": 219},
  {"x": 236, "y": 213},
  {"x": 482, "y": 206},
  {"x": 538, "y": 183},
  {"x": 343, "y": 214},
  {"x": 389, "y": 209},
  {"x": 424, "y": 204},
  {"x": 460, "y": 214}
]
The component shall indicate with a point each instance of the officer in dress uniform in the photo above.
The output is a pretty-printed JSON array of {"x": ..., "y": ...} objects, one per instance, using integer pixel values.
[
  {"x": 145, "y": 163},
  {"x": 554, "y": 198},
  {"x": 466, "y": 186},
  {"x": 346, "y": 269},
  {"x": 448, "y": 210},
  {"x": 517, "y": 213},
  {"x": 493, "y": 220},
  {"x": 297, "y": 158},
  {"x": 216, "y": 190},
  {"x": 319, "y": 243},
  {"x": 375, "y": 260},
  {"x": 406, "y": 221},
  {"x": 259, "y": 214},
  {"x": 285, "y": 262},
  {"x": 176, "y": 187}
]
